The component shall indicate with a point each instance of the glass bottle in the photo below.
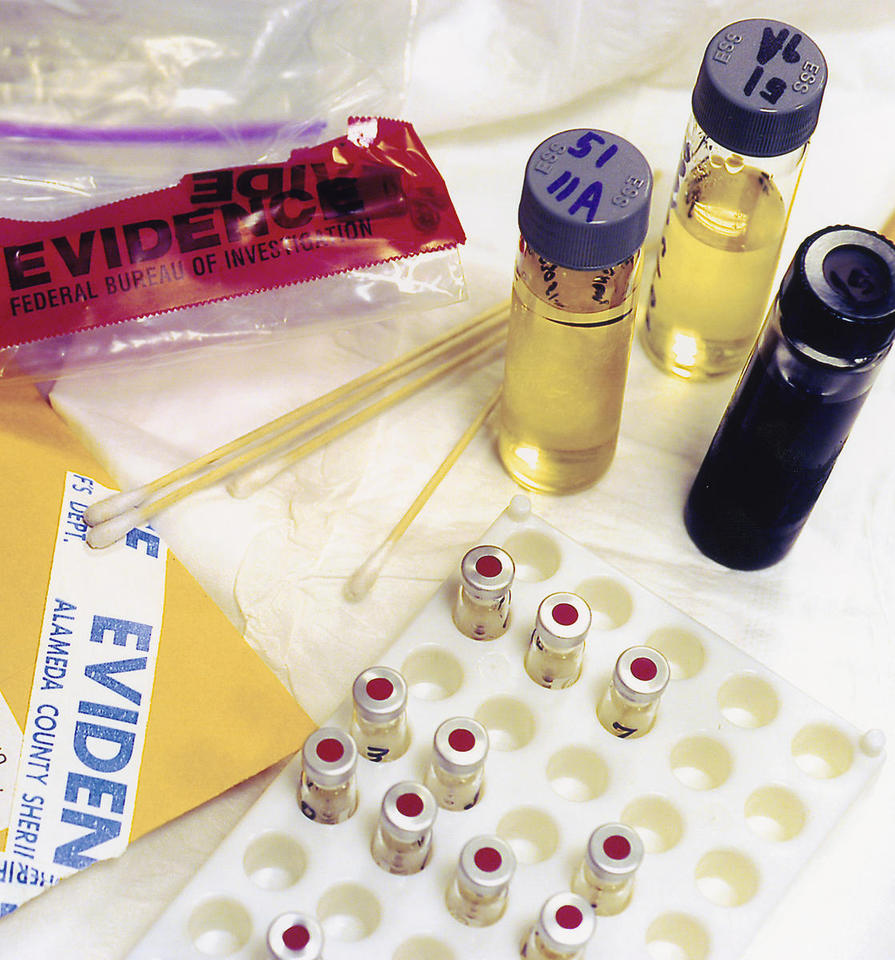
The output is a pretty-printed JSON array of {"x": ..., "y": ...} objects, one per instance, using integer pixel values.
[
  {"x": 457, "y": 769},
  {"x": 477, "y": 894},
  {"x": 379, "y": 721},
  {"x": 583, "y": 216},
  {"x": 629, "y": 705},
  {"x": 556, "y": 650},
  {"x": 295, "y": 936},
  {"x": 563, "y": 929},
  {"x": 328, "y": 790},
  {"x": 827, "y": 334},
  {"x": 755, "y": 104},
  {"x": 605, "y": 876},
  {"x": 482, "y": 605},
  {"x": 402, "y": 841}
]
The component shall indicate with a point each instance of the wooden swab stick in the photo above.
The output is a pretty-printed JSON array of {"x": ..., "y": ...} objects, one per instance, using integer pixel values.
[
  {"x": 247, "y": 483},
  {"x": 359, "y": 584},
  {"x": 109, "y": 531},
  {"x": 127, "y": 500}
]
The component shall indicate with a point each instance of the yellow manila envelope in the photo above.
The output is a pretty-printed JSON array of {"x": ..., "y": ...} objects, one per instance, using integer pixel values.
[{"x": 126, "y": 696}]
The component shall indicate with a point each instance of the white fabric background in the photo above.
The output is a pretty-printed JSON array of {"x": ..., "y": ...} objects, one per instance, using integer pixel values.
[{"x": 486, "y": 81}]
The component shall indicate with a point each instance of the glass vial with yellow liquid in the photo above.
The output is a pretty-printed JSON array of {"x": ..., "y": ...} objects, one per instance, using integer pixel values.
[
  {"x": 583, "y": 215},
  {"x": 755, "y": 104},
  {"x": 605, "y": 876},
  {"x": 379, "y": 720},
  {"x": 477, "y": 894},
  {"x": 629, "y": 706}
]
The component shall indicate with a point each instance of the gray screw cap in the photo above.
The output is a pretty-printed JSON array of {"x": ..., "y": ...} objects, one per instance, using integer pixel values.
[
  {"x": 760, "y": 88},
  {"x": 585, "y": 199}
]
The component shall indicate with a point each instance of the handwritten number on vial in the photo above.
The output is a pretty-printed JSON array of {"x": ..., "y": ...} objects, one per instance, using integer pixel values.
[
  {"x": 627, "y": 730},
  {"x": 376, "y": 754},
  {"x": 308, "y": 811}
]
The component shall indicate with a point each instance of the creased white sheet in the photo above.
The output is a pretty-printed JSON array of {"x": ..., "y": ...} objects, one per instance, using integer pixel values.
[{"x": 488, "y": 80}]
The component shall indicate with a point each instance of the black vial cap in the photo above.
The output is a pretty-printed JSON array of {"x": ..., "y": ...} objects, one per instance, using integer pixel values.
[{"x": 838, "y": 296}]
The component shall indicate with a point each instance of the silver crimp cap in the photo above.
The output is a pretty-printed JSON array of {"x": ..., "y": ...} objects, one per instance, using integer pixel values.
[
  {"x": 563, "y": 620},
  {"x": 408, "y": 811},
  {"x": 641, "y": 674},
  {"x": 614, "y": 852},
  {"x": 460, "y": 745},
  {"x": 486, "y": 865},
  {"x": 567, "y": 922},
  {"x": 329, "y": 757},
  {"x": 380, "y": 694},
  {"x": 487, "y": 572}
]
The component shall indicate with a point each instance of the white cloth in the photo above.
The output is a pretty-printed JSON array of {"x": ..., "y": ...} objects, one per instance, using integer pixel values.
[{"x": 486, "y": 81}]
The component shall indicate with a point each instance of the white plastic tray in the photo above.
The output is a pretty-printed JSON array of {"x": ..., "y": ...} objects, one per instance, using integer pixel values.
[{"x": 735, "y": 787}]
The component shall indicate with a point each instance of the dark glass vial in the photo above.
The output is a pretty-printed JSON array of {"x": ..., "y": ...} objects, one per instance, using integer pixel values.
[{"x": 827, "y": 332}]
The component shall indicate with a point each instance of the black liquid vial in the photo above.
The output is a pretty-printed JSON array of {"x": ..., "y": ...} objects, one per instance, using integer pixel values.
[{"x": 830, "y": 327}]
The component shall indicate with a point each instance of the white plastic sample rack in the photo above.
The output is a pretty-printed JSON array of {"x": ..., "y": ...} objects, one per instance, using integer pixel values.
[{"x": 734, "y": 788}]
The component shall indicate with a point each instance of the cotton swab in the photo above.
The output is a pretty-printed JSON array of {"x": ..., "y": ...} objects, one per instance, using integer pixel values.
[
  {"x": 106, "y": 532},
  {"x": 359, "y": 584},
  {"x": 117, "y": 503},
  {"x": 244, "y": 485}
]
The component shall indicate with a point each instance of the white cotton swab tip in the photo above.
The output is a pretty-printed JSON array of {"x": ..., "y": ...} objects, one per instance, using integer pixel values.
[
  {"x": 110, "y": 507},
  {"x": 110, "y": 531},
  {"x": 361, "y": 581}
]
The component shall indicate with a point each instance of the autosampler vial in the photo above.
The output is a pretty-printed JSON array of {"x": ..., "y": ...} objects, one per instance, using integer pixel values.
[
  {"x": 556, "y": 649},
  {"x": 402, "y": 841},
  {"x": 328, "y": 790},
  {"x": 457, "y": 768},
  {"x": 629, "y": 705},
  {"x": 477, "y": 894},
  {"x": 379, "y": 720},
  {"x": 482, "y": 605},
  {"x": 605, "y": 876}
]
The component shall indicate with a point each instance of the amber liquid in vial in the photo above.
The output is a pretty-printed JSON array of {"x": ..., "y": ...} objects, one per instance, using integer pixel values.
[
  {"x": 328, "y": 804},
  {"x": 715, "y": 268},
  {"x": 402, "y": 857},
  {"x": 454, "y": 791},
  {"x": 475, "y": 909},
  {"x": 481, "y": 619},
  {"x": 381, "y": 742},
  {"x": 566, "y": 368},
  {"x": 623, "y": 718},
  {"x": 551, "y": 667},
  {"x": 606, "y": 898}
]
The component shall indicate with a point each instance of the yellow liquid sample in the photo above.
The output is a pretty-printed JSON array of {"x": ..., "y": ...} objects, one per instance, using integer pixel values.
[
  {"x": 714, "y": 271},
  {"x": 564, "y": 385}
]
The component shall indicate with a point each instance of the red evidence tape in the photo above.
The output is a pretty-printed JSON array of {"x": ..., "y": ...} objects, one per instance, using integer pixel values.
[{"x": 370, "y": 196}]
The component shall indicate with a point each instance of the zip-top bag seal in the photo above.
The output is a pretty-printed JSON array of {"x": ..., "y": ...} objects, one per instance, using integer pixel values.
[{"x": 356, "y": 224}]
